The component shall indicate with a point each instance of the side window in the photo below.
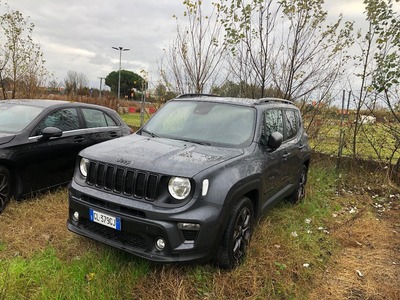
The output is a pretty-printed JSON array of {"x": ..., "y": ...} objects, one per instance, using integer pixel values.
[
  {"x": 110, "y": 121},
  {"x": 65, "y": 119},
  {"x": 292, "y": 123},
  {"x": 96, "y": 118},
  {"x": 273, "y": 122}
]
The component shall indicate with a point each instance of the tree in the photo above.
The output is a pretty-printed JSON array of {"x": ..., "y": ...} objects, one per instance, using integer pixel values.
[
  {"x": 21, "y": 60},
  {"x": 249, "y": 27},
  {"x": 285, "y": 44},
  {"x": 76, "y": 84},
  {"x": 243, "y": 89},
  {"x": 53, "y": 86},
  {"x": 194, "y": 58},
  {"x": 381, "y": 70},
  {"x": 129, "y": 81}
]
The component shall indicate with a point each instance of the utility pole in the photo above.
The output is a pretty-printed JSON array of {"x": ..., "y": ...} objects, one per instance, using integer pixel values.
[{"x": 101, "y": 81}]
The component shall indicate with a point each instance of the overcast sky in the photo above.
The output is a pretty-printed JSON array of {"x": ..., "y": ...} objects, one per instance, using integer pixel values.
[{"x": 78, "y": 34}]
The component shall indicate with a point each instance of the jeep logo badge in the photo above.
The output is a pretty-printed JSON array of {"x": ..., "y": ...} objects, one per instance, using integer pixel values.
[{"x": 123, "y": 161}]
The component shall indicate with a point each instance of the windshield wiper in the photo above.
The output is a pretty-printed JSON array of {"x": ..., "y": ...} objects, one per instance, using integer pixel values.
[
  {"x": 149, "y": 133},
  {"x": 193, "y": 141}
]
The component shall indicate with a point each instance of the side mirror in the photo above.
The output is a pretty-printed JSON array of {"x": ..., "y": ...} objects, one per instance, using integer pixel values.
[
  {"x": 50, "y": 132},
  {"x": 275, "y": 140}
]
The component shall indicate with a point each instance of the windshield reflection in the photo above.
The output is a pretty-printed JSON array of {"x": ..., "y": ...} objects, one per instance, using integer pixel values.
[
  {"x": 14, "y": 118},
  {"x": 207, "y": 123}
]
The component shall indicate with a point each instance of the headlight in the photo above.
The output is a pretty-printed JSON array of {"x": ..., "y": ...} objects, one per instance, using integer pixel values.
[
  {"x": 83, "y": 166},
  {"x": 179, "y": 187}
]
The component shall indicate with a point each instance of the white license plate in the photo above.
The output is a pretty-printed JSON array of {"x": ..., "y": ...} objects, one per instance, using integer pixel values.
[{"x": 104, "y": 219}]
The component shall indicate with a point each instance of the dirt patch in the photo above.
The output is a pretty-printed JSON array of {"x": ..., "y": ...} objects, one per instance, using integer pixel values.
[{"x": 368, "y": 266}]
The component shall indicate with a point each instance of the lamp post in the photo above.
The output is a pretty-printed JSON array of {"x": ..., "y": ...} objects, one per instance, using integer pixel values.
[{"x": 120, "y": 49}]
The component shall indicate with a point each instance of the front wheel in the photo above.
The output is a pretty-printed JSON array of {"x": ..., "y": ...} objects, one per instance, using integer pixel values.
[
  {"x": 235, "y": 241},
  {"x": 5, "y": 187}
]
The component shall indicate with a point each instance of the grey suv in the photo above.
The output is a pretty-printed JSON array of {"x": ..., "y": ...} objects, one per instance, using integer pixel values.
[{"x": 189, "y": 185}]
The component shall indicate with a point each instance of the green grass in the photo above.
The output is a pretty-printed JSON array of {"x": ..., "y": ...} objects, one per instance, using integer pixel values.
[
  {"x": 376, "y": 142},
  {"x": 106, "y": 273},
  {"x": 93, "y": 275},
  {"x": 133, "y": 119}
]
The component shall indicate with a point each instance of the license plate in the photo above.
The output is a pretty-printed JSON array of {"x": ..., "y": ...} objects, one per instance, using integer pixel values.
[{"x": 104, "y": 219}]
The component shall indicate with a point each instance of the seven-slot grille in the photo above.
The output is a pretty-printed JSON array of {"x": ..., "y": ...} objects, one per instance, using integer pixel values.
[{"x": 123, "y": 180}]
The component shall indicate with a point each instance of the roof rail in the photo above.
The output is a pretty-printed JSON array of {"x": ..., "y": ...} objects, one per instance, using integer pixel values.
[
  {"x": 195, "y": 95},
  {"x": 264, "y": 100}
]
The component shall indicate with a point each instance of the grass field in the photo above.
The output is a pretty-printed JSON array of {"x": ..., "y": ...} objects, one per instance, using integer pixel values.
[
  {"x": 376, "y": 142},
  {"x": 291, "y": 249},
  {"x": 133, "y": 120}
]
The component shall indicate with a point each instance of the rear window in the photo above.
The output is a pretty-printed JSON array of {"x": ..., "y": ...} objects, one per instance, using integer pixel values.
[
  {"x": 292, "y": 123},
  {"x": 96, "y": 118}
]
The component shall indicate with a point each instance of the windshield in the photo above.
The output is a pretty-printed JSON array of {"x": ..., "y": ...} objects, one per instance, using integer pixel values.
[
  {"x": 14, "y": 118},
  {"x": 209, "y": 123}
]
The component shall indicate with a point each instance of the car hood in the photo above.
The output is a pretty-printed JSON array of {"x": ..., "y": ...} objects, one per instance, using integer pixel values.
[
  {"x": 159, "y": 155},
  {"x": 6, "y": 137}
]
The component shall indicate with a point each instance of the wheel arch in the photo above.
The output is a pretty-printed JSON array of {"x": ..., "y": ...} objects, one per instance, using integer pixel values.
[
  {"x": 250, "y": 189},
  {"x": 16, "y": 183}
]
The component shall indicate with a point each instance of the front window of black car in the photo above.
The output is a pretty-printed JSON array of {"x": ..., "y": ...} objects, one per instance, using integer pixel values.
[
  {"x": 209, "y": 123},
  {"x": 14, "y": 118},
  {"x": 65, "y": 119}
]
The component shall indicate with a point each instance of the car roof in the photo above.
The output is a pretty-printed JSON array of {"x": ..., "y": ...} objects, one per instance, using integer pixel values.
[
  {"x": 44, "y": 103},
  {"x": 232, "y": 100}
]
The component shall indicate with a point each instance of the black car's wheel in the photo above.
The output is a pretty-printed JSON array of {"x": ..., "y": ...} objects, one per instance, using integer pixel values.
[
  {"x": 300, "y": 190},
  {"x": 5, "y": 187},
  {"x": 235, "y": 241}
]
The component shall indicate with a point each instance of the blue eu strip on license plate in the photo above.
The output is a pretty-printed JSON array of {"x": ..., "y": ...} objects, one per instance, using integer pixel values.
[{"x": 104, "y": 219}]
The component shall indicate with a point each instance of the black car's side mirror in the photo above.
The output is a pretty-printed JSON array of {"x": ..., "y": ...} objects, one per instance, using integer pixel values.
[
  {"x": 50, "y": 132},
  {"x": 275, "y": 140}
]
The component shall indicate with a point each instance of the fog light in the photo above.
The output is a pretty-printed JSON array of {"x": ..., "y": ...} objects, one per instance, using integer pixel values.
[
  {"x": 160, "y": 244},
  {"x": 75, "y": 216}
]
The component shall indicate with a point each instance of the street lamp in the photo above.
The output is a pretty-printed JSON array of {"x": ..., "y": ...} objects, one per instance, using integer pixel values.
[{"x": 120, "y": 49}]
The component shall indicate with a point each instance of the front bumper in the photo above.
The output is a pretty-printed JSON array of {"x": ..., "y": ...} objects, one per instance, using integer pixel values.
[{"x": 142, "y": 224}]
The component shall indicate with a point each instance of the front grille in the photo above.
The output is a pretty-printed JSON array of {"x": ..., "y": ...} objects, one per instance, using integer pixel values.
[
  {"x": 115, "y": 207},
  {"x": 124, "y": 238},
  {"x": 117, "y": 179}
]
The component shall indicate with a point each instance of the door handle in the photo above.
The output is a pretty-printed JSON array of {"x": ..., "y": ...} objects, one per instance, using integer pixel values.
[
  {"x": 301, "y": 146},
  {"x": 113, "y": 134},
  {"x": 286, "y": 155},
  {"x": 78, "y": 139}
]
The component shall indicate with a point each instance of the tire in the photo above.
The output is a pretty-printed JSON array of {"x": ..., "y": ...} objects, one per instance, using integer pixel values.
[
  {"x": 5, "y": 187},
  {"x": 300, "y": 191},
  {"x": 232, "y": 250}
]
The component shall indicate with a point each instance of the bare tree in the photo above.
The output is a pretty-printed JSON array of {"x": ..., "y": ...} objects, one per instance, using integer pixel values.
[
  {"x": 378, "y": 66},
  {"x": 286, "y": 45},
  {"x": 75, "y": 84},
  {"x": 249, "y": 30},
  {"x": 22, "y": 59},
  {"x": 311, "y": 55},
  {"x": 194, "y": 58}
]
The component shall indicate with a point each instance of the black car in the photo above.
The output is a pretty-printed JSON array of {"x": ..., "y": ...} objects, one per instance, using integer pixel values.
[
  {"x": 190, "y": 184},
  {"x": 40, "y": 140}
]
